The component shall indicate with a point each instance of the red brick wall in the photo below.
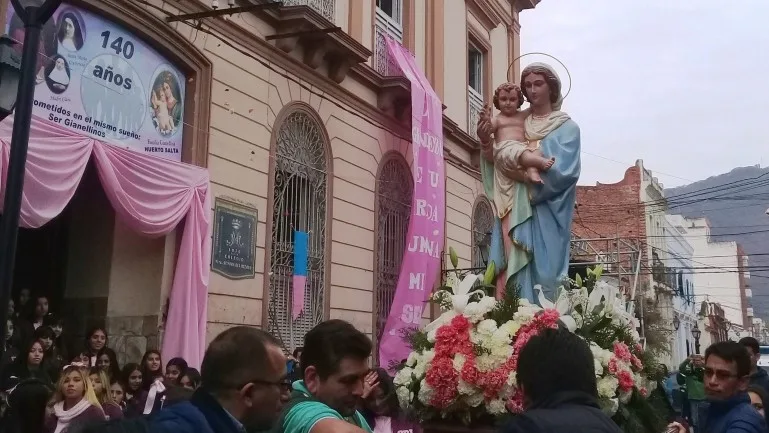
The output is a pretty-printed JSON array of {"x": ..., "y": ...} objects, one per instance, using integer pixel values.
[{"x": 613, "y": 210}]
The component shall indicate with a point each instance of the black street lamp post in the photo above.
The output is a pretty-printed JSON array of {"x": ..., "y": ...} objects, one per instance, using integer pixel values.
[
  {"x": 696, "y": 334},
  {"x": 34, "y": 13}
]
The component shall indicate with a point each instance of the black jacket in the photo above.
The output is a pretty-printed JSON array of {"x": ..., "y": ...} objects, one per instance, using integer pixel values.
[
  {"x": 760, "y": 378},
  {"x": 566, "y": 412}
]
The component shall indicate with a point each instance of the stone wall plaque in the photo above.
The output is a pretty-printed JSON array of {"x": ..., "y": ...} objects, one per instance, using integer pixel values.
[{"x": 234, "y": 243}]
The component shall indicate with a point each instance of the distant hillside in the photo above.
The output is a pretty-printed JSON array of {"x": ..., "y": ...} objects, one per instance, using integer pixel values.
[{"x": 735, "y": 203}]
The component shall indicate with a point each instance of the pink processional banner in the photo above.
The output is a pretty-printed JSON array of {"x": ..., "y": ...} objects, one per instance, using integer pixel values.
[{"x": 422, "y": 258}]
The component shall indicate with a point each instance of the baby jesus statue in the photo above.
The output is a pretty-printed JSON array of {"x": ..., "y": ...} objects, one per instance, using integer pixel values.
[{"x": 510, "y": 149}]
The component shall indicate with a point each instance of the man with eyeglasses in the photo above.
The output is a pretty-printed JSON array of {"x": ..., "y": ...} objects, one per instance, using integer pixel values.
[
  {"x": 243, "y": 387},
  {"x": 335, "y": 365},
  {"x": 728, "y": 408}
]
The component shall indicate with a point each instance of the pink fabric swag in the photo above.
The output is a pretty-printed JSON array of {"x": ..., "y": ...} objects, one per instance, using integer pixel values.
[{"x": 149, "y": 194}]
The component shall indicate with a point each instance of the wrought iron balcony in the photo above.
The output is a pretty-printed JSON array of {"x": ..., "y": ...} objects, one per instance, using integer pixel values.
[
  {"x": 474, "y": 108},
  {"x": 385, "y": 26},
  {"x": 327, "y": 8}
]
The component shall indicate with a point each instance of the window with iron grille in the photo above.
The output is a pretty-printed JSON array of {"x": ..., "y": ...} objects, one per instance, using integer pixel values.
[
  {"x": 483, "y": 221},
  {"x": 394, "y": 194},
  {"x": 300, "y": 204}
]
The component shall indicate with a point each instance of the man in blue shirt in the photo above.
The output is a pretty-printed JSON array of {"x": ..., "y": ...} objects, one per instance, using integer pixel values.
[
  {"x": 243, "y": 387},
  {"x": 726, "y": 376}
]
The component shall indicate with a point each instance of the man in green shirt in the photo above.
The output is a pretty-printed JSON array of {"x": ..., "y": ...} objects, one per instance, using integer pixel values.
[
  {"x": 690, "y": 376},
  {"x": 335, "y": 363}
]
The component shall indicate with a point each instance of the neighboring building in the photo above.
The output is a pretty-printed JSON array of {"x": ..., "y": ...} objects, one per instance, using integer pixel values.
[
  {"x": 310, "y": 129},
  {"x": 720, "y": 274},
  {"x": 760, "y": 331},
  {"x": 608, "y": 218},
  {"x": 679, "y": 266},
  {"x": 713, "y": 324},
  {"x": 631, "y": 212}
]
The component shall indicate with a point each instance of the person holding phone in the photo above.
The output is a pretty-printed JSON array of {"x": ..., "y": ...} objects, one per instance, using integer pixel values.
[{"x": 690, "y": 377}]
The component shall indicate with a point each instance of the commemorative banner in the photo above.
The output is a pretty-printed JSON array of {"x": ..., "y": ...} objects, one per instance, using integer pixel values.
[{"x": 98, "y": 79}]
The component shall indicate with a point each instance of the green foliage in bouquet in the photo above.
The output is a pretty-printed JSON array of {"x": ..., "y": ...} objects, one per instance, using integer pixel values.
[{"x": 640, "y": 414}]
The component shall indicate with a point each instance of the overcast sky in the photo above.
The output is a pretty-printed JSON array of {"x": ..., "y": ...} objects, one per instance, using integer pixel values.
[{"x": 681, "y": 84}]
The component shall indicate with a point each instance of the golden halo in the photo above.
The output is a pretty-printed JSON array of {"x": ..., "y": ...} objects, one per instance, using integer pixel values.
[{"x": 568, "y": 74}]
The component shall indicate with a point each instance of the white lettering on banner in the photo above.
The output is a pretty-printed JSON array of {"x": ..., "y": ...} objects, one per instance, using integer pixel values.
[
  {"x": 423, "y": 245},
  {"x": 412, "y": 314},
  {"x": 424, "y": 139},
  {"x": 425, "y": 209},
  {"x": 434, "y": 178},
  {"x": 416, "y": 281},
  {"x": 419, "y": 175}
]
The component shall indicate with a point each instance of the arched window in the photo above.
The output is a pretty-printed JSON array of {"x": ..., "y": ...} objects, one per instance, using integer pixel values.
[
  {"x": 300, "y": 204},
  {"x": 395, "y": 188},
  {"x": 483, "y": 222}
]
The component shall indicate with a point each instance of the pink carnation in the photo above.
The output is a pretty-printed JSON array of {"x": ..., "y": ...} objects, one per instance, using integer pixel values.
[
  {"x": 515, "y": 404},
  {"x": 622, "y": 351},
  {"x": 442, "y": 377},
  {"x": 625, "y": 379}
]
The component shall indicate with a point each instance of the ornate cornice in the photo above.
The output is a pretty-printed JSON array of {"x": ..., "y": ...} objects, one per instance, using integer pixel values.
[
  {"x": 485, "y": 12},
  {"x": 521, "y": 5}
]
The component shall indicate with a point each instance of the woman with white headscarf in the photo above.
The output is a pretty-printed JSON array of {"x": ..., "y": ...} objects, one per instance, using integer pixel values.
[{"x": 70, "y": 35}]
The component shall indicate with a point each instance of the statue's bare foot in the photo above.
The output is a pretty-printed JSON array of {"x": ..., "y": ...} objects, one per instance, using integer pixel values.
[
  {"x": 533, "y": 175},
  {"x": 546, "y": 164}
]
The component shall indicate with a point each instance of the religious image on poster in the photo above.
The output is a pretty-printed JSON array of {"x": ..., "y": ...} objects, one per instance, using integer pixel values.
[{"x": 100, "y": 80}]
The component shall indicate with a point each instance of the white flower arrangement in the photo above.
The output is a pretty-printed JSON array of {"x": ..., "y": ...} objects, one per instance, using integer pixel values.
[{"x": 465, "y": 366}]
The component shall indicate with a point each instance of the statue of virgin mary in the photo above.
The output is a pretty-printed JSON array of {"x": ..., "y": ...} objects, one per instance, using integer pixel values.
[{"x": 530, "y": 242}]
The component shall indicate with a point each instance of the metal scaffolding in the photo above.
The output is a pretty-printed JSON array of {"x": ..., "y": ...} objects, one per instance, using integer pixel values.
[{"x": 620, "y": 258}]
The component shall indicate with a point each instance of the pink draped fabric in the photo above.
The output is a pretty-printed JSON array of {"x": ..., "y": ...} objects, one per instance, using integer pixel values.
[{"x": 149, "y": 194}]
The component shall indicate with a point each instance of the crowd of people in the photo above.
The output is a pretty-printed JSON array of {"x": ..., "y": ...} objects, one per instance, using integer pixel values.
[
  {"x": 83, "y": 384},
  {"x": 248, "y": 384}
]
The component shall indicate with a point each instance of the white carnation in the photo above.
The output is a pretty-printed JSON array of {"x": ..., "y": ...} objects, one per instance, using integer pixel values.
[
  {"x": 420, "y": 369},
  {"x": 425, "y": 393},
  {"x": 473, "y": 312},
  {"x": 412, "y": 359},
  {"x": 501, "y": 352},
  {"x": 598, "y": 367},
  {"x": 495, "y": 407},
  {"x": 487, "y": 304},
  {"x": 473, "y": 400},
  {"x": 607, "y": 386},
  {"x": 465, "y": 388},
  {"x": 405, "y": 396},
  {"x": 525, "y": 313},
  {"x": 486, "y": 363},
  {"x": 403, "y": 377},
  {"x": 458, "y": 361},
  {"x": 487, "y": 327},
  {"x": 512, "y": 379}
]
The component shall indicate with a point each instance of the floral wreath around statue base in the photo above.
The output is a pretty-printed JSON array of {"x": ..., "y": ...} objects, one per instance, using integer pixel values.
[{"x": 462, "y": 367}]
